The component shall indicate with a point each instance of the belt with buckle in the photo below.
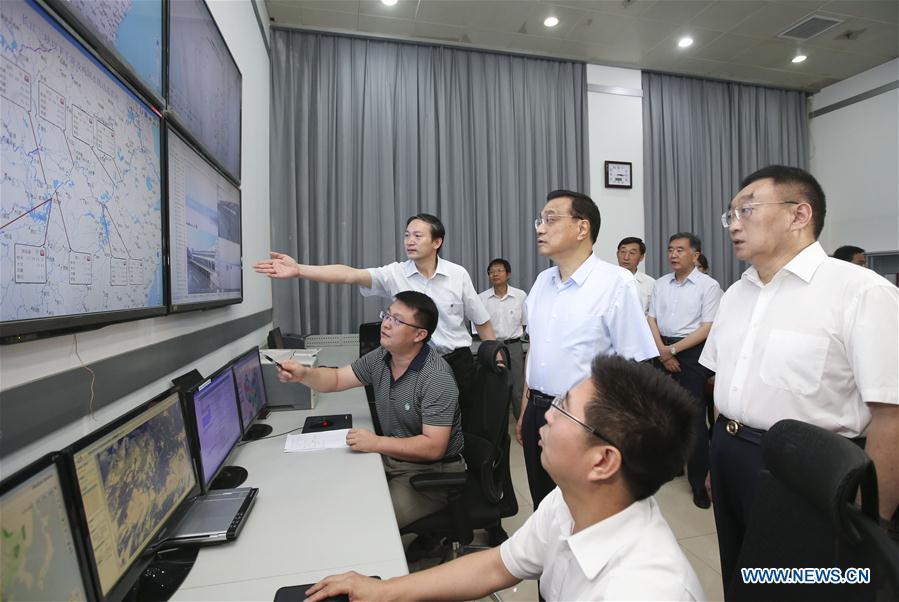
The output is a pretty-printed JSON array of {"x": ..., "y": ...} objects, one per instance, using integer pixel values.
[
  {"x": 741, "y": 431},
  {"x": 510, "y": 341},
  {"x": 541, "y": 400}
]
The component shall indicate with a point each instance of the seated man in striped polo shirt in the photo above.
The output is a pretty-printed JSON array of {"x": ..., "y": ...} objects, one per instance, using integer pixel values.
[{"x": 416, "y": 398}]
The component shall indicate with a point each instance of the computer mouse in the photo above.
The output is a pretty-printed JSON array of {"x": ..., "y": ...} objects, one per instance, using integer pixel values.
[{"x": 326, "y": 423}]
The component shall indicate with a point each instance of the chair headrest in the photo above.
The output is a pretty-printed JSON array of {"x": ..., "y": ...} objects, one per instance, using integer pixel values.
[
  {"x": 487, "y": 355},
  {"x": 824, "y": 468}
]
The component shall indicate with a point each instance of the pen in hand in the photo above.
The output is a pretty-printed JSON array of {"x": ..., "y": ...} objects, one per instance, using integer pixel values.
[{"x": 269, "y": 358}]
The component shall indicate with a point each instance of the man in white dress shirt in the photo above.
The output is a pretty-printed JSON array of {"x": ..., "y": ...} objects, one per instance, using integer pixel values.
[
  {"x": 579, "y": 308},
  {"x": 610, "y": 443},
  {"x": 631, "y": 251},
  {"x": 684, "y": 304},
  {"x": 447, "y": 283},
  {"x": 505, "y": 304},
  {"x": 802, "y": 336}
]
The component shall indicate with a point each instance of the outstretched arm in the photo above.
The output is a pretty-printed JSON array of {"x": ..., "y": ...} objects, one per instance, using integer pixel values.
[{"x": 281, "y": 266}]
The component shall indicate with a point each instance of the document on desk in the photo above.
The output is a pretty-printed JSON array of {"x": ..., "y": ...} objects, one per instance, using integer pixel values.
[{"x": 300, "y": 442}]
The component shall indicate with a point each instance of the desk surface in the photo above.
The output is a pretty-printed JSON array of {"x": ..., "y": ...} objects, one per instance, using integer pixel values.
[{"x": 317, "y": 513}]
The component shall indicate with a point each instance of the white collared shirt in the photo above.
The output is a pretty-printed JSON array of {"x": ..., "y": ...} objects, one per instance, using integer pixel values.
[
  {"x": 680, "y": 307},
  {"x": 451, "y": 289},
  {"x": 815, "y": 344},
  {"x": 632, "y": 555},
  {"x": 596, "y": 311},
  {"x": 645, "y": 284},
  {"x": 507, "y": 313}
]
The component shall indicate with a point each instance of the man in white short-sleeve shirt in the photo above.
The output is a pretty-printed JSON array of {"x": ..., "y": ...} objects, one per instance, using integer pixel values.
[
  {"x": 610, "y": 443},
  {"x": 631, "y": 251},
  {"x": 447, "y": 283},
  {"x": 799, "y": 336}
]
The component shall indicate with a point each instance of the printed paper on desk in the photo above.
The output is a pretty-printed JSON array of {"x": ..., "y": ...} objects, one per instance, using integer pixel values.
[{"x": 301, "y": 442}]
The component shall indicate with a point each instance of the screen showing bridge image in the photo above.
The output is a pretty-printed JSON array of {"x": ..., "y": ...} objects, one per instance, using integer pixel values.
[{"x": 204, "y": 231}]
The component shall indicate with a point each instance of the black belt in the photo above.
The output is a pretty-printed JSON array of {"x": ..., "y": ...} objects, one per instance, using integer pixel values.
[
  {"x": 672, "y": 340},
  {"x": 510, "y": 341},
  {"x": 541, "y": 400},
  {"x": 754, "y": 435}
]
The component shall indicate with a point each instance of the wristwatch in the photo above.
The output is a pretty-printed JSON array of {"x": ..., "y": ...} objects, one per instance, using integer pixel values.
[{"x": 672, "y": 350}]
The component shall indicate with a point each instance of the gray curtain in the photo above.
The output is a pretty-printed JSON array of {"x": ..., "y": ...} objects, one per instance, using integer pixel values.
[
  {"x": 366, "y": 133},
  {"x": 700, "y": 139}
]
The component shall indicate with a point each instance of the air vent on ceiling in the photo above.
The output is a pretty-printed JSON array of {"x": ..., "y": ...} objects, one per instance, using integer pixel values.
[{"x": 810, "y": 27}]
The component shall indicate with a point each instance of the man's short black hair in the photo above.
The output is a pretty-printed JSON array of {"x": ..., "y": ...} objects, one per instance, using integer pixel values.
[
  {"x": 582, "y": 207},
  {"x": 502, "y": 262},
  {"x": 424, "y": 308},
  {"x": 694, "y": 241},
  {"x": 633, "y": 240},
  {"x": 437, "y": 229},
  {"x": 847, "y": 252},
  {"x": 806, "y": 185},
  {"x": 647, "y": 415},
  {"x": 703, "y": 262}
]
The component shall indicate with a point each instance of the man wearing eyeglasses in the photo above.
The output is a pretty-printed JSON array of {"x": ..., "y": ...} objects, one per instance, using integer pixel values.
[
  {"x": 579, "y": 308},
  {"x": 610, "y": 443},
  {"x": 801, "y": 336},
  {"x": 447, "y": 283},
  {"x": 416, "y": 399}
]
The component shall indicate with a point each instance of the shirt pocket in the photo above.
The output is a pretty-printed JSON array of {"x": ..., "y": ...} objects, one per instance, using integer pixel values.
[{"x": 794, "y": 361}]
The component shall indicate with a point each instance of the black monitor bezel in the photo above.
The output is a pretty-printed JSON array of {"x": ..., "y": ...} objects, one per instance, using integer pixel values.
[
  {"x": 113, "y": 56},
  {"x": 19, "y": 331},
  {"x": 250, "y": 352},
  {"x": 76, "y": 527},
  {"x": 189, "y": 408},
  {"x": 174, "y": 308},
  {"x": 131, "y": 574},
  {"x": 172, "y": 114}
]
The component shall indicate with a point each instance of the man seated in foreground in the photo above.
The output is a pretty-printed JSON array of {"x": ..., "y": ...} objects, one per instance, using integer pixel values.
[
  {"x": 609, "y": 444},
  {"x": 416, "y": 399}
]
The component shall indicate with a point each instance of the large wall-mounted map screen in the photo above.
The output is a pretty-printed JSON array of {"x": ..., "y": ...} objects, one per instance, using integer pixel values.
[
  {"x": 204, "y": 83},
  {"x": 204, "y": 231},
  {"x": 80, "y": 195}
]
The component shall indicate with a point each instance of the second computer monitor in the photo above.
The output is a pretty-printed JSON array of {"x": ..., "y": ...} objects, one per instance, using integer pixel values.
[
  {"x": 250, "y": 392},
  {"x": 217, "y": 424}
]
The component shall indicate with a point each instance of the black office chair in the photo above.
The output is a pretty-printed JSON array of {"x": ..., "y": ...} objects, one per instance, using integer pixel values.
[
  {"x": 483, "y": 495},
  {"x": 369, "y": 340},
  {"x": 804, "y": 516}
]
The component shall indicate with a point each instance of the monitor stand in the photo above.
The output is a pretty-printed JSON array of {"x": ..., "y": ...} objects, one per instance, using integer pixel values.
[
  {"x": 229, "y": 478},
  {"x": 257, "y": 431},
  {"x": 164, "y": 576}
]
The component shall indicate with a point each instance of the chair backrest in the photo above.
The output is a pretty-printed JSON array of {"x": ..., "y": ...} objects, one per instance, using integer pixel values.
[
  {"x": 804, "y": 516},
  {"x": 369, "y": 340}
]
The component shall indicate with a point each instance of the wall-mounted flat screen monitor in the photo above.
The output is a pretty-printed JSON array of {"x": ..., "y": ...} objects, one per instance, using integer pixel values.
[
  {"x": 80, "y": 195},
  {"x": 42, "y": 555},
  {"x": 216, "y": 422},
  {"x": 204, "y": 231},
  {"x": 133, "y": 477},
  {"x": 204, "y": 83},
  {"x": 129, "y": 32}
]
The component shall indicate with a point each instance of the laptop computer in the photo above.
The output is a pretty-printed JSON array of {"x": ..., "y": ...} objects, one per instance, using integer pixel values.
[{"x": 215, "y": 517}]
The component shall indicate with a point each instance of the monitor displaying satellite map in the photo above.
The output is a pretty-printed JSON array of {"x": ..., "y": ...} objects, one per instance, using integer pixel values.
[
  {"x": 39, "y": 561},
  {"x": 204, "y": 231},
  {"x": 132, "y": 29},
  {"x": 132, "y": 479},
  {"x": 204, "y": 83},
  {"x": 80, "y": 196}
]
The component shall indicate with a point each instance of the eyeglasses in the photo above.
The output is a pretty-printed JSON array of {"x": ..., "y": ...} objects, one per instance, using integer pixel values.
[
  {"x": 387, "y": 316},
  {"x": 741, "y": 213},
  {"x": 551, "y": 219},
  {"x": 557, "y": 405},
  {"x": 495, "y": 272}
]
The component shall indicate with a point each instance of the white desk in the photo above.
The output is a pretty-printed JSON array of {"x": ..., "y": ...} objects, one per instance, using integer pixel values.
[{"x": 317, "y": 513}]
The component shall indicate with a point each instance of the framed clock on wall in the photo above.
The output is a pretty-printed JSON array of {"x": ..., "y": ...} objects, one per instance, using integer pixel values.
[{"x": 619, "y": 174}]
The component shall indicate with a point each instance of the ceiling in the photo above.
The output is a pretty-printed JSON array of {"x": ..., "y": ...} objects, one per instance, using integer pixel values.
[{"x": 733, "y": 39}]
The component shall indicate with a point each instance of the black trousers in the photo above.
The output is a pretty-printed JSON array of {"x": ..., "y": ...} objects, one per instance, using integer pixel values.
[
  {"x": 539, "y": 481},
  {"x": 461, "y": 361},
  {"x": 692, "y": 377}
]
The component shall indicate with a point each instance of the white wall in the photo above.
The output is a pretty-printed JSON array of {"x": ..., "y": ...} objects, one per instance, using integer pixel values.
[
  {"x": 615, "y": 134},
  {"x": 855, "y": 157},
  {"x": 26, "y": 362}
]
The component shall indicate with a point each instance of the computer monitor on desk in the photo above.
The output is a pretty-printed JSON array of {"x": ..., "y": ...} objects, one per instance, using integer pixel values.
[
  {"x": 215, "y": 421},
  {"x": 42, "y": 550},
  {"x": 250, "y": 393}
]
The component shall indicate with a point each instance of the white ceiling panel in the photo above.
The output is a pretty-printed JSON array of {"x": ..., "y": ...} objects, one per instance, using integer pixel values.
[
  {"x": 878, "y": 10},
  {"x": 771, "y": 19},
  {"x": 676, "y": 12},
  {"x": 722, "y": 16}
]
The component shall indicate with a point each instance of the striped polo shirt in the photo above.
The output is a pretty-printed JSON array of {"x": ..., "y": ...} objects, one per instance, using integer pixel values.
[{"x": 425, "y": 394}]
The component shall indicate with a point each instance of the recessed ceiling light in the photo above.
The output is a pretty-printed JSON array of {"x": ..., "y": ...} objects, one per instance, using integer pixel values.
[
  {"x": 551, "y": 21},
  {"x": 388, "y": 2},
  {"x": 685, "y": 42},
  {"x": 799, "y": 58}
]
